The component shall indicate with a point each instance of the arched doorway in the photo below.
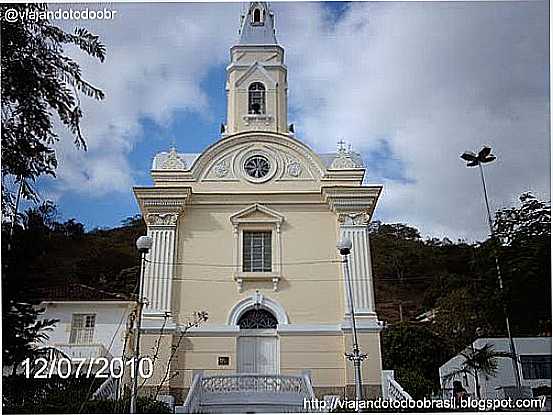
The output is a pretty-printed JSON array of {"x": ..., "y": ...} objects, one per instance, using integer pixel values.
[{"x": 258, "y": 343}]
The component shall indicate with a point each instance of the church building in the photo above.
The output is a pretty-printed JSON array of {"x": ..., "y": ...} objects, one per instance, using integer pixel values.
[{"x": 247, "y": 231}]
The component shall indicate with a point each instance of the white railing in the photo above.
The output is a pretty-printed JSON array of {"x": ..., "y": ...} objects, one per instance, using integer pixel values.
[
  {"x": 192, "y": 403},
  {"x": 281, "y": 393},
  {"x": 394, "y": 391},
  {"x": 109, "y": 389},
  {"x": 86, "y": 351},
  {"x": 253, "y": 383}
]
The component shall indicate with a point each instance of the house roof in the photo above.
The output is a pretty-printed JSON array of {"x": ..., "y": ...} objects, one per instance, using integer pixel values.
[{"x": 78, "y": 292}]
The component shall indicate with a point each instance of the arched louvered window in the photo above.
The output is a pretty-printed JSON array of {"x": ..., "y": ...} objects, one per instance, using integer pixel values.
[
  {"x": 257, "y": 318},
  {"x": 256, "y": 98}
]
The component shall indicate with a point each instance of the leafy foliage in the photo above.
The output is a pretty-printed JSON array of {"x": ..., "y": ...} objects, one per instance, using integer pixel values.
[
  {"x": 66, "y": 396},
  {"x": 415, "y": 352},
  {"x": 458, "y": 283},
  {"x": 525, "y": 260},
  {"x": 38, "y": 81}
]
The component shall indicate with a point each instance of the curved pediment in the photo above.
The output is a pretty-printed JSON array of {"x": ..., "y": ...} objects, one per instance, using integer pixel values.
[{"x": 258, "y": 157}]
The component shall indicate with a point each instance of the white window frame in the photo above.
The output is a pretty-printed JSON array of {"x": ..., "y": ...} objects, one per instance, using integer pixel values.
[
  {"x": 271, "y": 223},
  {"x": 83, "y": 334},
  {"x": 264, "y": 249}
]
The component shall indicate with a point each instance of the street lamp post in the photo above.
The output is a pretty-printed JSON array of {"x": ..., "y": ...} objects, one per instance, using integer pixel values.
[
  {"x": 143, "y": 244},
  {"x": 484, "y": 156},
  {"x": 344, "y": 246}
]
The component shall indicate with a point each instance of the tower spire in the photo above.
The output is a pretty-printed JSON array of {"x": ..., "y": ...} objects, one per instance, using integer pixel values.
[
  {"x": 257, "y": 76},
  {"x": 257, "y": 26}
]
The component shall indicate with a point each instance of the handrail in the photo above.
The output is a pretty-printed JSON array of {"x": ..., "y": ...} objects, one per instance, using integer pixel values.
[
  {"x": 192, "y": 403},
  {"x": 309, "y": 386},
  {"x": 108, "y": 389},
  {"x": 395, "y": 391}
]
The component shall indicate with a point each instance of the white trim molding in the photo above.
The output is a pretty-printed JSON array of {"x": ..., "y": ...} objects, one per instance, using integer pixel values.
[
  {"x": 363, "y": 325},
  {"x": 250, "y": 219},
  {"x": 309, "y": 329},
  {"x": 257, "y": 300}
]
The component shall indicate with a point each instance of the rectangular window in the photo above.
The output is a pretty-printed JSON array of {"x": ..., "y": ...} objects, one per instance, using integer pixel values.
[
  {"x": 82, "y": 328},
  {"x": 536, "y": 366},
  {"x": 257, "y": 252}
]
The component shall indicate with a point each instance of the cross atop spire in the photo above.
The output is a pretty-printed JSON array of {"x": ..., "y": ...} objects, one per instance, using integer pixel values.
[{"x": 258, "y": 25}]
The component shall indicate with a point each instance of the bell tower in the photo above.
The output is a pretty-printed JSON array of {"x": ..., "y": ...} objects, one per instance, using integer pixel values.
[{"x": 256, "y": 76}]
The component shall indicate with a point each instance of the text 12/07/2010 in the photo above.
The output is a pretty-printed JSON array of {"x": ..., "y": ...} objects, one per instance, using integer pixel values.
[{"x": 100, "y": 367}]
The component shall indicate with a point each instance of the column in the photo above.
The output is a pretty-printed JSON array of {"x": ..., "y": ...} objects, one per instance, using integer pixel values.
[
  {"x": 158, "y": 275},
  {"x": 355, "y": 228}
]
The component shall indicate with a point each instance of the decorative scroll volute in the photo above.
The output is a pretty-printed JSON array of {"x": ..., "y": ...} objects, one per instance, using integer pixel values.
[{"x": 162, "y": 219}]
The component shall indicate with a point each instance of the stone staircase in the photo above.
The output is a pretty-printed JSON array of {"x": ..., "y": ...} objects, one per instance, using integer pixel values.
[{"x": 247, "y": 393}]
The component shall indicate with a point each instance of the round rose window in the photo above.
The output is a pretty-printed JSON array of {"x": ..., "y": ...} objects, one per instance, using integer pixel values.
[{"x": 257, "y": 167}]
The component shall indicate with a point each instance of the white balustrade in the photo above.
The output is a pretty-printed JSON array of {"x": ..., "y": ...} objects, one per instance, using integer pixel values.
[
  {"x": 86, "y": 351},
  {"x": 395, "y": 392},
  {"x": 283, "y": 393}
]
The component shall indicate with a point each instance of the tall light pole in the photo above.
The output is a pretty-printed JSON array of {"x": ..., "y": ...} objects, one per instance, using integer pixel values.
[
  {"x": 485, "y": 156},
  {"x": 143, "y": 244},
  {"x": 344, "y": 246}
]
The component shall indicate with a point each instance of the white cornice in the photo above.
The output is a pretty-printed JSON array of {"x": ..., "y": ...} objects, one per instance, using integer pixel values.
[
  {"x": 162, "y": 200},
  {"x": 363, "y": 325},
  {"x": 351, "y": 200}
]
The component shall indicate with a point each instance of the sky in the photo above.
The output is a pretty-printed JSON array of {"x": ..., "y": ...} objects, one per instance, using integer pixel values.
[{"x": 411, "y": 85}]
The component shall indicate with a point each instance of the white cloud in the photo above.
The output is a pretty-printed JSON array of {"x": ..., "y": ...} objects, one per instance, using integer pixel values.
[
  {"x": 157, "y": 56},
  {"x": 432, "y": 79}
]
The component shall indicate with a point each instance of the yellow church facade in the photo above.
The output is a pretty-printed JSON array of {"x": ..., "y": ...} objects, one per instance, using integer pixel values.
[{"x": 247, "y": 231}]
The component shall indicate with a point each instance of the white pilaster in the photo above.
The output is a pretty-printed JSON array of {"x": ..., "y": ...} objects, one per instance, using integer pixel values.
[
  {"x": 161, "y": 209},
  {"x": 158, "y": 276},
  {"x": 354, "y": 207},
  {"x": 360, "y": 270}
]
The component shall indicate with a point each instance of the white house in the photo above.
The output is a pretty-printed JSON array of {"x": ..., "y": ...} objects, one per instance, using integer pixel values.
[
  {"x": 92, "y": 323},
  {"x": 534, "y": 356}
]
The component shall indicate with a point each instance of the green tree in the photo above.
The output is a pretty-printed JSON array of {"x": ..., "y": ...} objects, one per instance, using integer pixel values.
[
  {"x": 464, "y": 311},
  {"x": 477, "y": 361},
  {"x": 39, "y": 82},
  {"x": 525, "y": 260},
  {"x": 415, "y": 352},
  {"x": 396, "y": 250}
]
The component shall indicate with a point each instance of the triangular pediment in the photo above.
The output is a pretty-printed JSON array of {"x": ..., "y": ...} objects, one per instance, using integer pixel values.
[
  {"x": 258, "y": 72},
  {"x": 257, "y": 213}
]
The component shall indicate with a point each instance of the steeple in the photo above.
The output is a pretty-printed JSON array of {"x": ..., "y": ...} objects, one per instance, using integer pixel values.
[
  {"x": 257, "y": 26},
  {"x": 256, "y": 76}
]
